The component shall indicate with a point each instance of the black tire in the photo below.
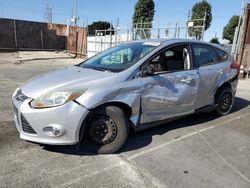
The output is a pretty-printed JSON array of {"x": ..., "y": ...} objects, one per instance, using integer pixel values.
[
  {"x": 106, "y": 130},
  {"x": 224, "y": 101}
]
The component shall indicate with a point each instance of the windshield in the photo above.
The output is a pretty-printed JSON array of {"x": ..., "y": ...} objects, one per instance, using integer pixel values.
[{"x": 120, "y": 57}]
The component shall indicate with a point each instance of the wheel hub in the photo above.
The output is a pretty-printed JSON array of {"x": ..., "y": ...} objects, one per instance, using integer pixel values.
[
  {"x": 225, "y": 102},
  {"x": 102, "y": 130}
]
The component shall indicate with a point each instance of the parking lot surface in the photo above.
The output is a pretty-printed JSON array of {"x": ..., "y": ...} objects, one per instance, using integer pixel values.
[{"x": 197, "y": 151}]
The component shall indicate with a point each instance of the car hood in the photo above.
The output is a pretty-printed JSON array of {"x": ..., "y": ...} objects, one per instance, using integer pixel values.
[{"x": 71, "y": 78}]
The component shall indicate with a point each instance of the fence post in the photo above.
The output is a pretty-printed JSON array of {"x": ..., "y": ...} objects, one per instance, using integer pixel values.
[
  {"x": 178, "y": 33},
  {"x": 128, "y": 35},
  {"x": 15, "y": 35},
  {"x": 41, "y": 33},
  {"x": 95, "y": 40},
  {"x": 110, "y": 45},
  {"x": 176, "y": 30},
  {"x": 76, "y": 43},
  {"x": 186, "y": 32}
]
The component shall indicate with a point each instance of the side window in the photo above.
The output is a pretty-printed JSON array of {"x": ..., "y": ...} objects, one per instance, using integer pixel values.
[
  {"x": 221, "y": 55},
  {"x": 118, "y": 57},
  {"x": 173, "y": 59},
  {"x": 203, "y": 55}
]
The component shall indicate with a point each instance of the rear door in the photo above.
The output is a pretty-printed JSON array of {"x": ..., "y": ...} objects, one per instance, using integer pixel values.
[
  {"x": 210, "y": 72},
  {"x": 172, "y": 89}
]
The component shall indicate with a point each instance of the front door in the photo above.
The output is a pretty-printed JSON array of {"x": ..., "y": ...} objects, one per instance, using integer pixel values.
[{"x": 171, "y": 88}]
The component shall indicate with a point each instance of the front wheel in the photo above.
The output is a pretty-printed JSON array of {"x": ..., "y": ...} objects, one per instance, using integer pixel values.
[
  {"x": 106, "y": 130},
  {"x": 224, "y": 101}
]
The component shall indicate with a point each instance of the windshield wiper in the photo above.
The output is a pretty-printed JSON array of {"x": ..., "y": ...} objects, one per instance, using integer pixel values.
[{"x": 95, "y": 68}]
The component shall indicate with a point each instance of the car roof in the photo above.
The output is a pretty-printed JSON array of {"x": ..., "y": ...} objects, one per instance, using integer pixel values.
[{"x": 164, "y": 42}]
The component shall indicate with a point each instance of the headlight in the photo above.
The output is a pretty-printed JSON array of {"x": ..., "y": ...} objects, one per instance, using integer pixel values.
[{"x": 55, "y": 99}]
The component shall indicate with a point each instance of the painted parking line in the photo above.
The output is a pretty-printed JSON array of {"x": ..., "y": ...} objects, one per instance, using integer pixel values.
[{"x": 146, "y": 151}]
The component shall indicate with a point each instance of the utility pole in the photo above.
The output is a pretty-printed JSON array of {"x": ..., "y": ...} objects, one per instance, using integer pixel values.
[
  {"x": 189, "y": 15},
  {"x": 241, "y": 12},
  {"x": 74, "y": 18},
  {"x": 48, "y": 14},
  {"x": 238, "y": 34},
  {"x": 204, "y": 26},
  {"x": 188, "y": 18}
]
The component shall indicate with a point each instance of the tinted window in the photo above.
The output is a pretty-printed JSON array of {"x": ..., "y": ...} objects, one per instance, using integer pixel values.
[
  {"x": 203, "y": 55},
  {"x": 221, "y": 55}
]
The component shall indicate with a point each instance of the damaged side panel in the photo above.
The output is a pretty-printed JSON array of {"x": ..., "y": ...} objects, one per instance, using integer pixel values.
[
  {"x": 152, "y": 98},
  {"x": 211, "y": 78},
  {"x": 168, "y": 95},
  {"x": 127, "y": 93}
]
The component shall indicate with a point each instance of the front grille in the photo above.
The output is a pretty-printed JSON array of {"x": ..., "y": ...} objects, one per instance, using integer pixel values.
[
  {"x": 20, "y": 96},
  {"x": 26, "y": 126}
]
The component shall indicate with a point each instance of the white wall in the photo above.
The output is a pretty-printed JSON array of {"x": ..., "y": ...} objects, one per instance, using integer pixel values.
[{"x": 101, "y": 43}]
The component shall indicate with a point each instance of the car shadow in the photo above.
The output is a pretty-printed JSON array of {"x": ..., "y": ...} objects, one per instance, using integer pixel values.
[
  {"x": 67, "y": 149},
  {"x": 144, "y": 138}
]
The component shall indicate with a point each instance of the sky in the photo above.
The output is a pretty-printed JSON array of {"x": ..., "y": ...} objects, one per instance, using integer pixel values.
[{"x": 167, "y": 12}]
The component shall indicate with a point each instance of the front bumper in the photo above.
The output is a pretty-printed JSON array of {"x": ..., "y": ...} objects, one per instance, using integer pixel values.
[{"x": 30, "y": 122}]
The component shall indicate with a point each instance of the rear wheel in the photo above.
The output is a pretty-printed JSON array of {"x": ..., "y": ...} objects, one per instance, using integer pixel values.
[
  {"x": 106, "y": 130},
  {"x": 224, "y": 101}
]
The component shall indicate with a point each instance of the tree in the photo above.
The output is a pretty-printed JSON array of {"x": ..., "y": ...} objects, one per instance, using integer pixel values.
[
  {"x": 143, "y": 16},
  {"x": 100, "y": 25},
  {"x": 229, "y": 29},
  {"x": 198, "y": 12},
  {"x": 215, "y": 40}
]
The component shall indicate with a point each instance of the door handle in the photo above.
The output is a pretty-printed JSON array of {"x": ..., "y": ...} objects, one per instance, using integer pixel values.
[
  {"x": 187, "y": 80},
  {"x": 220, "y": 71}
]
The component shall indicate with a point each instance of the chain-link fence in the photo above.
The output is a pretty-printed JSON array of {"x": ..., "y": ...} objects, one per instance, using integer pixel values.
[{"x": 105, "y": 39}]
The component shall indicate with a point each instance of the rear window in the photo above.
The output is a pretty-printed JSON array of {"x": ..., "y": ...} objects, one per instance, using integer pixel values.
[
  {"x": 203, "y": 54},
  {"x": 221, "y": 55}
]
